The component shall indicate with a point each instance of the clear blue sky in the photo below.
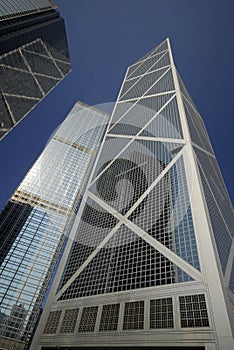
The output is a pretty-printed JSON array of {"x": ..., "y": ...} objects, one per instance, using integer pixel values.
[{"x": 106, "y": 36}]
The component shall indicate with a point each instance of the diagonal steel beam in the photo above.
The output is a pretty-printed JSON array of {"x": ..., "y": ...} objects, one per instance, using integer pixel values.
[
  {"x": 173, "y": 257},
  {"x": 133, "y": 139}
]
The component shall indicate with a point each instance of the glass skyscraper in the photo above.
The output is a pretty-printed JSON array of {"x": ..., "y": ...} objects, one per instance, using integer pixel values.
[
  {"x": 35, "y": 223},
  {"x": 151, "y": 266},
  {"x": 34, "y": 57}
]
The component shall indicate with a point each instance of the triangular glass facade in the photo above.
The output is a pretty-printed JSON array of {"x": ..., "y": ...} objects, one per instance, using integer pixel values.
[
  {"x": 155, "y": 220},
  {"x": 138, "y": 177},
  {"x": 118, "y": 266},
  {"x": 36, "y": 68}
]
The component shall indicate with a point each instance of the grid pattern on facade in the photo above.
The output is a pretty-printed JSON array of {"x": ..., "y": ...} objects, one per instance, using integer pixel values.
[
  {"x": 69, "y": 321},
  {"x": 88, "y": 319},
  {"x": 110, "y": 150},
  {"x": 24, "y": 277},
  {"x": 68, "y": 164},
  {"x": 37, "y": 69},
  {"x": 151, "y": 64},
  {"x": 231, "y": 282},
  {"x": 130, "y": 174},
  {"x": 12, "y": 219},
  {"x": 161, "y": 47},
  {"x": 122, "y": 177},
  {"x": 222, "y": 238},
  {"x": 109, "y": 318},
  {"x": 129, "y": 167},
  {"x": 130, "y": 117},
  {"x": 14, "y": 323},
  {"x": 161, "y": 313},
  {"x": 185, "y": 239},
  {"x": 96, "y": 223},
  {"x": 185, "y": 93},
  {"x": 133, "y": 315},
  {"x": 163, "y": 62},
  {"x": 133, "y": 69},
  {"x": 219, "y": 206},
  {"x": 126, "y": 262},
  {"x": 39, "y": 216},
  {"x": 165, "y": 84},
  {"x": 166, "y": 214},
  {"x": 128, "y": 84},
  {"x": 14, "y": 8},
  {"x": 197, "y": 128},
  {"x": 193, "y": 311},
  {"x": 154, "y": 77},
  {"x": 79, "y": 253},
  {"x": 210, "y": 168},
  {"x": 232, "y": 308},
  {"x": 52, "y": 322},
  {"x": 139, "y": 112},
  {"x": 165, "y": 124},
  {"x": 146, "y": 85}
]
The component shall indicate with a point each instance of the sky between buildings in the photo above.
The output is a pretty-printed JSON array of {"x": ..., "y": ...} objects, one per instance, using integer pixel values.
[{"x": 104, "y": 38}]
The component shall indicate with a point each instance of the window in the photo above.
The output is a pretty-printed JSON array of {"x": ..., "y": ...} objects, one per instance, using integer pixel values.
[
  {"x": 109, "y": 318},
  {"x": 161, "y": 313},
  {"x": 69, "y": 321},
  {"x": 52, "y": 322},
  {"x": 88, "y": 319},
  {"x": 134, "y": 315},
  {"x": 193, "y": 311}
]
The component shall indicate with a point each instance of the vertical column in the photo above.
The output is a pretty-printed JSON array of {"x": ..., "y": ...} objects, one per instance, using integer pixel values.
[{"x": 207, "y": 253}]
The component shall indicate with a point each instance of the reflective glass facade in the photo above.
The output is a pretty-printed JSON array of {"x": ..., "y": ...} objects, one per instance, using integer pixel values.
[
  {"x": 33, "y": 56},
  {"x": 131, "y": 161},
  {"x": 36, "y": 221},
  {"x": 152, "y": 236}
]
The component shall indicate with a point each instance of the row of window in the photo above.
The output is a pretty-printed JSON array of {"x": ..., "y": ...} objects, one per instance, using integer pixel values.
[{"x": 193, "y": 313}]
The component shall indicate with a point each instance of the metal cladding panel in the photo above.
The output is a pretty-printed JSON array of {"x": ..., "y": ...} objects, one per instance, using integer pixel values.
[{"x": 15, "y": 8}]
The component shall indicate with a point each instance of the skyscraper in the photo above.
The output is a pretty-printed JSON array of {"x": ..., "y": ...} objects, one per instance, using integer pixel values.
[
  {"x": 151, "y": 266},
  {"x": 35, "y": 222},
  {"x": 34, "y": 57}
]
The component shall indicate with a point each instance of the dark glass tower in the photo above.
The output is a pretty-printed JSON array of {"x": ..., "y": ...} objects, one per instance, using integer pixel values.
[
  {"x": 12, "y": 220},
  {"x": 34, "y": 57},
  {"x": 35, "y": 223},
  {"x": 151, "y": 266}
]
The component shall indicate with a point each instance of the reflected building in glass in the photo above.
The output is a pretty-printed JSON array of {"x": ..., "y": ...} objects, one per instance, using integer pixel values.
[
  {"x": 151, "y": 266},
  {"x": 34, "y": 57},
  {"x": 35, "y": 222}
]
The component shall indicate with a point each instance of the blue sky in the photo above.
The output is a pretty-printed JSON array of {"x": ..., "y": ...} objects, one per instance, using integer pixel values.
[{"x": 105, "y": 37}]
